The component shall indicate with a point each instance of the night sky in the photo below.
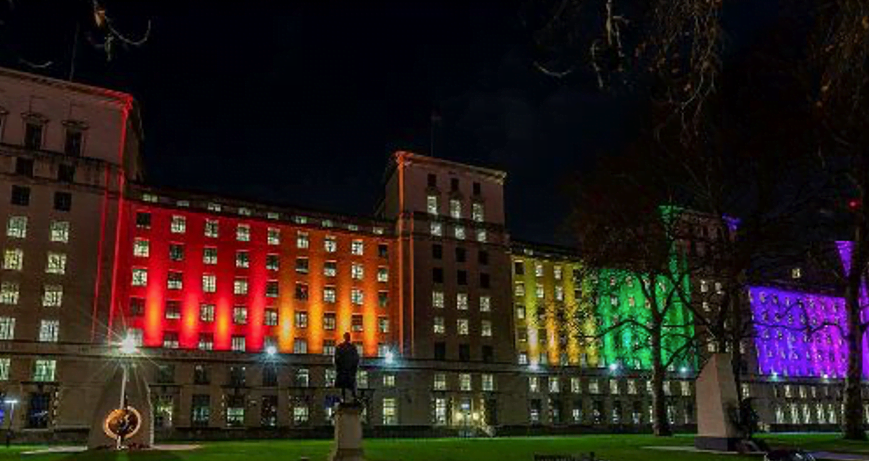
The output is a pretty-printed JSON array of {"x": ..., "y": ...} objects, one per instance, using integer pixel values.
[{"x": 301, "y": 103}]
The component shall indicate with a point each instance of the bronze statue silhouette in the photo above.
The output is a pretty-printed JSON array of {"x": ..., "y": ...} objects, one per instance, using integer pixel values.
[{"x": 346, "y": 365}]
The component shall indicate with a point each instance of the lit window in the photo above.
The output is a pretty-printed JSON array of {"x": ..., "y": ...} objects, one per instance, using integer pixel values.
[
  {"x": 556, "y": 271},
  {"x": 48, "y": 331},
  {"x": 462, "y": 301},
  {"x": 357, "y": 247},
  {"x": 329, "y": 321},
  {"x": 302, "y": 240},
  {"x": 300, "y": 346},
  {"x": 356, "y": 324},
  {"x": 455, "y": 209},
  {"x": 383, "y": 299},
  {"x": 274, "y": 236},
  {"x": 270, "y": 318},
  {"x": 179, "y": 224},
  {"x": 300, "y": 219},
  {"x": 519, "y": 289},
  {"x": 477, "y": 213},
  {"x": 437, "y": 229},
  {"x": 176, "y": 252},
  {"x": 485, "y": 304},
  {"x": 440, "y": 382},
  {"x": 242, "y": 259},
  {"x": 459, "y": 232},
  {"x": 575, "y": 385},
  {"x": 175, "y": 280},
  {"x": 206, "y": 312},
  {"x": 329, "y": 295},
  {"x": 206, "y": 341},
  {"x": 437, "y": 299},
  {"x": 382, "y": 274},
  {"x": 59, "y": 231},
  {"x": 244, "y": 211},
  {"x": 140, "y": 277},
  {"x": 238, "y": 344},
  {"x": 56, "y": 263},
  {"x": 239, "y": 315},
  {"x": 388, "y": 380},
  {"x": 533, "y": 384},
  {"x": 330, "y": 268},
  {"x": 523, "y": 358},
  {"x": 520, "y": 312},
  {"x": 272, "y": 262},
  {"x": 704, "y": 286},
  {"x": 539, "y": 291},
  {"x": 9, "y": 292},
  {"x": 356, "y": 271},
  {"x": 431, "y": 203},
  {"x": 488, "y": 382},
  {"x": 356, "y": 296},
  {"x": 300, "y": 414},
  {"x": 439, "y": 325},
  {"x": 16, "y": 227},
  {"x": 383, "y": 325},
  {"x": 52, "y": 295},
  {"x": 486, "y": 328},
  {"x": 330, "y": 244},
  {"x": 301, "y": 319},
  {"x": 44, "y": 370},
  {"x": 13, "y": 259},
  {"x": 209, "y": 255},
  {"x": 559, "y": 293},
  {"x": 538, "y": 269},
  {"x": 209, "y": 283},
  {"x": 554, "y": 385},
  {"x": 5, "y": 365},
  {"x": 273, "y": 215},
  {"x": 7, "y": 328},
  {"x": 326, "y": 223},
  {"x": 211, "y": 228},
  {"x": 462, "y": 326},
  {"x": 242, "y": 233},
  {"x": 465, "y": 382},
  {"x": 390, "y": 411},
  {"x": 239, "y": 286},
  {"x": 481, "y": 235}
]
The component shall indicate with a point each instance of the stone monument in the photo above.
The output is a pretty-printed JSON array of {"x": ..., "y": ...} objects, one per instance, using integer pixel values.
[
  {"x": 348, "y": 415},
  {"x": 122, "y": 417},
  {"x": 716, "y": 401}
]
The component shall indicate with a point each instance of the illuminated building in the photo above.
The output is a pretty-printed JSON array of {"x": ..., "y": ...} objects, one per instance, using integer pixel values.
[{"x": 238, "y": 305}]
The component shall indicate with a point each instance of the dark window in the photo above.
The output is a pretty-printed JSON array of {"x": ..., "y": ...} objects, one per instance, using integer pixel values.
[
  {"x": 440, "y": 351},
  {"x": 301, "y": 291},
  {"x": 461, "y": 255},
  {"x": 201, "y": 410},
  {"x": 33, "y": 136},
  {"x": 137, "y": 307},
  {"x": 176, "y": 252},
  {"x": 488, "y": 354},
  {"x": 483, "y": 258},
  {"x": 437, "y": 275},
  {"x": 518, "y": 268},
  {"x": 62, "y": 201},
  {"x": 66, "y": 173},
  {"x": 20, "y": 195},
  {"x": 73, "y": 142},
  {"x": 165, "y": 374},
  {"x": 437, "y": 251},
  {"x": 432, "y": 180},
  {"x": 454, "y": 184},
  {"x": 38, "y": 410},
  {"x": 484, "y": 280},
  {"x": 476, "y": 188},
  {"x": 269, "y": 411},
  {"x": 24, "y": 166},
  {"x": 465, "y": 352},
  {"x": 462, "y": 277},
  {"x": 201, "y": 375},
  {"x": 143, "y": 220},
  {"x": 236, "y": 376},
  {"x": 173, "y": 307},
  {"x": 270, "y": 375},
  {"x": 382, "y": 250}
]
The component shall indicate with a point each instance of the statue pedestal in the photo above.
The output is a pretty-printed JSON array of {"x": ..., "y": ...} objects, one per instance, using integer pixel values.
[
  {"x": 348, "y": 433},
  {"x": 716, "y": 398}
]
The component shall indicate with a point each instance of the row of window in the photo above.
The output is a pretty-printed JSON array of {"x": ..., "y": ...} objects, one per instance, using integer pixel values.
[
  {"x": 21, "y": 197},
  {"x": 36, "y": 125},
  {"x": 459, "y": 232},
  {"x": 13, "y": 259},
  {"x": 462, "y": 327},
  {"x": 615, "y": 387},
  {"x": 10, "y": 292},
  {"x": 49, "y": 330},
  {"x": 16, "y": 228},
  {"x": 539, "y": 292},
  {"x": 462, "y": 301},
  {"x": 455, "y": 208},
  {"x": 519, "y": 269},
  {"x": 437, "y": 276},
  {"x": 43, "y": 369}
]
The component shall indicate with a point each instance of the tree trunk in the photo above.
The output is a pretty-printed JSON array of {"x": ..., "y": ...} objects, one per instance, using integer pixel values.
[
  {"x": 852, "y": 402},
  {"x": 661, "y": 424}
]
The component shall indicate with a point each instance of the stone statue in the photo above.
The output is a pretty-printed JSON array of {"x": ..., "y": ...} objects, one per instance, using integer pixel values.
[{"x": 346, "y": 365}]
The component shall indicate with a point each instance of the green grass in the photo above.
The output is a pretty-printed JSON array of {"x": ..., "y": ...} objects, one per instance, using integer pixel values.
[{"x": 609, "y": 447}]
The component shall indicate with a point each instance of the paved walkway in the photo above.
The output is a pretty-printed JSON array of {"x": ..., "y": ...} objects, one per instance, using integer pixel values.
[
  {"x": 819, "y": 455},
  {"x": 80, "y": 448}
]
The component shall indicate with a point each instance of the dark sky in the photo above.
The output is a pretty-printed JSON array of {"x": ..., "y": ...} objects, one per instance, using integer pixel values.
[{"x": 301, "y": 103}]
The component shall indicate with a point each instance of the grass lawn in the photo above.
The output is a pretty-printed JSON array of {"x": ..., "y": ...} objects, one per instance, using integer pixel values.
[{"x": 609, "y": 447}]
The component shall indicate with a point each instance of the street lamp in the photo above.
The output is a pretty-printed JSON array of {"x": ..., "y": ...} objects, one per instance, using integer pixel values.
[
  {"x": 12, "y": 403},
  {"x": 128, "y": 347},
  {"x": 271, "y": 351}
]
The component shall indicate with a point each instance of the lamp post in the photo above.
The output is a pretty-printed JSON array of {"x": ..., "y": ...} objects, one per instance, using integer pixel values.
[
  {"x": 128, "y": 347},
  {"x": 12, "y": 403}
]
